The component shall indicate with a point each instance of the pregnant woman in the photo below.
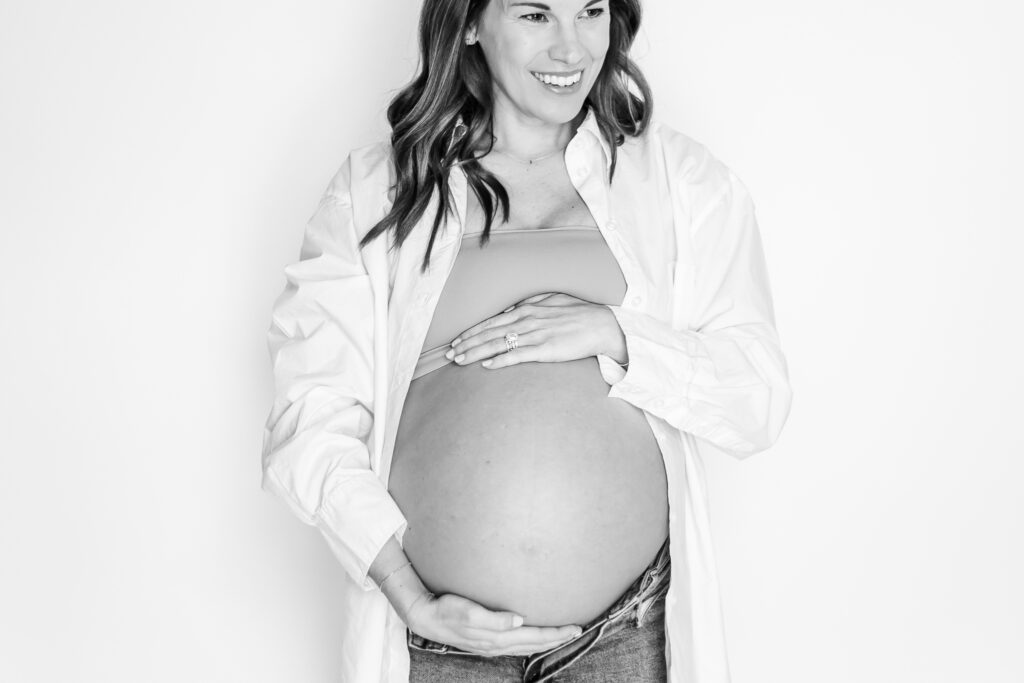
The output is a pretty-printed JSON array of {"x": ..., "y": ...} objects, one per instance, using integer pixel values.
[{"x": 510, "y": 329}]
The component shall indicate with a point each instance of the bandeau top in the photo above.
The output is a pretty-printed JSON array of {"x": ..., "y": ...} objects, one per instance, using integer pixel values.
[{"x": 515, "y": 265}]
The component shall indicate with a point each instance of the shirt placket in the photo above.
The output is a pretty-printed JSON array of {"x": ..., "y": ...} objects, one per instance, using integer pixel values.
[
  {"x": 588, "y": 173},
  {"x": 414, "y": 303}
]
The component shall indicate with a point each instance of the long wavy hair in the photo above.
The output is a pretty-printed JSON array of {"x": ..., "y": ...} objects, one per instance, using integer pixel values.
[{"x": 454, "y": 85}]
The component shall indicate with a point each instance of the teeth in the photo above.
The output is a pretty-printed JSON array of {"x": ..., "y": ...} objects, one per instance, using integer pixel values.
[{"x": 561, "y": 81}]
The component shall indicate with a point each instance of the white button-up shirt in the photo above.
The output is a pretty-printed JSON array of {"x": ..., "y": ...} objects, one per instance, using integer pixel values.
[{"x": 705, "y": 365}]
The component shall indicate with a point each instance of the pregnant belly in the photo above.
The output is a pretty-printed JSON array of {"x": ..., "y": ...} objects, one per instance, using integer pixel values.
[{"x": 527, "y": 489}]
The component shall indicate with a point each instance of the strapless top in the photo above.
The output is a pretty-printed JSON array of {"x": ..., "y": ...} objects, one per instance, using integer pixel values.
[{"x": 515, "y": 265}]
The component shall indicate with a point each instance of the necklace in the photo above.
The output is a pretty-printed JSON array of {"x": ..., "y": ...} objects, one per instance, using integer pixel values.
[{"x": 529, "y": 161}]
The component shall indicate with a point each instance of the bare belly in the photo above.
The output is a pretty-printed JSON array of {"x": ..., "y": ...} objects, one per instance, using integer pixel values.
[{"x": 527, "y": 489}]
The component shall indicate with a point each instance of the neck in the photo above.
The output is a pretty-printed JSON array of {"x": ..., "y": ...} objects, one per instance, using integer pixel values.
[{"x": 529, "y": 138}]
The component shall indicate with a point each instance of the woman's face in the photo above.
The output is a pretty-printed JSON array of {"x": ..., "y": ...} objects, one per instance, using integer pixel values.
[{"x": 545, "y": 56}]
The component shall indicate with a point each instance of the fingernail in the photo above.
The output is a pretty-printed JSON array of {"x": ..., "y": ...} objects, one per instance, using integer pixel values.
[
  {"x": 456, "y": 341},
  {"x": 449, "y": 353},
  {"x": 459, "y": 358},
  {"x": 517, "y": 621},
  {"x": 508, "y": 309},
  {"x": 486, "y": 363}
]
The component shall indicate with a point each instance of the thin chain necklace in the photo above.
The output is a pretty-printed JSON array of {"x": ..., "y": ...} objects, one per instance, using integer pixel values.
[{"x": 528, "y": 162}]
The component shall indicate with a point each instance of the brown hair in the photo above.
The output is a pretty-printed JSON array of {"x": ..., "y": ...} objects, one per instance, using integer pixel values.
[{"x": 454, "y": 81}]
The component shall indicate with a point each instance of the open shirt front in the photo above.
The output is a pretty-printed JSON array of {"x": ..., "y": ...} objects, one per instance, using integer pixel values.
[{"x": 705, "y": 365}]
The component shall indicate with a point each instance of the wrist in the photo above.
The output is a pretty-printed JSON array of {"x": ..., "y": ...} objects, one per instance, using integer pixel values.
[
  {"x": 410, "y": 616},
  {"x": 403, "y": 589},
  {"x": 380, "y": 584},
  {"x": 615, "y": 341}
]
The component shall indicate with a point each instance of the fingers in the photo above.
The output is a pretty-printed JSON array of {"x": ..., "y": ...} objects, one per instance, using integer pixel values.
[
  {"x": 518, "y": 311},
  {"x": 505, "y": 318},
  {"x": 472, "y": 627},
  {"x": 533, "y": 299},
  {"x": 525, "y": 639},
  {"x": 479, "y": 617},
  {"x": 491, "y": 343},
  {"x": 536, "y": 323},
  {"x": 531, "y": 351}
]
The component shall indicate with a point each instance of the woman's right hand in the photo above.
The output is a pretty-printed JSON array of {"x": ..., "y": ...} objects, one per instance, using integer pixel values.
[{"x": 469, "y": 626}]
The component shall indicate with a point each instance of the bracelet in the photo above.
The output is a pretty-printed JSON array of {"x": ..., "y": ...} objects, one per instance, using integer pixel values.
[
  {"x": 418, "y": 598},
  {"x": 393, "y": 572}
]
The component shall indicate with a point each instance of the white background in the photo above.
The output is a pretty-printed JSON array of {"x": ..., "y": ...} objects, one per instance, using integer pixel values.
[{"x": 158, "y": 161}]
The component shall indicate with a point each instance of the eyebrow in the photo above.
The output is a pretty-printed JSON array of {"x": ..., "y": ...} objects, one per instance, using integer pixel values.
[{"x": 540, "y": 5}]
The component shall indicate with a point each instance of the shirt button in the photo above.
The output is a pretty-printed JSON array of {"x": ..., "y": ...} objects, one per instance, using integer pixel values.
[
  {"x": 637, "y": 300},
  {"x": 612, "y": 225}
]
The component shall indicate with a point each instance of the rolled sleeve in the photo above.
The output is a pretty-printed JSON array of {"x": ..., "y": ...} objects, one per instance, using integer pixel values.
[
  {"x": 724, "y": 380},
  {"x": 315, "y": 450}
]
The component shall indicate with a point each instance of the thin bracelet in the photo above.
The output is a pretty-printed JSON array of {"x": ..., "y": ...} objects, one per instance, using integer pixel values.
[
  {"x": 420, "y": 597},
  {"x": 393, "y": 572}
]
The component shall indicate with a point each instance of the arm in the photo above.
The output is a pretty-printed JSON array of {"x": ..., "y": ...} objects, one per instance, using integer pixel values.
[
  {"x": 725, "y": 380},
  {"x": 315, "y": 454},
  {"x": 401, "y": 584}
]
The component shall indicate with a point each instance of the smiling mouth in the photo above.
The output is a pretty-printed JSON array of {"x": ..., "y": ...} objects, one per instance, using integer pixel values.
[{"x": 561, "y": 81}]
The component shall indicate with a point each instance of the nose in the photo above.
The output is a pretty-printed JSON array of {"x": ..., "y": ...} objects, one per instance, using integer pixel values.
[{"x": 567, "y": 47}]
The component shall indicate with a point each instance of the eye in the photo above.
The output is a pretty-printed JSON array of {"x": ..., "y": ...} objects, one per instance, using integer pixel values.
[
  {"x": 535, "y": 18},
  {"x": 593, "y": 13}
]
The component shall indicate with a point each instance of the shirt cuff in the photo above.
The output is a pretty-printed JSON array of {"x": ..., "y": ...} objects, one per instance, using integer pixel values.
[
  {"x": 367, "y": 520},
  {"x": 728, "y": 387},
  {"x": 653, "y": 379}
]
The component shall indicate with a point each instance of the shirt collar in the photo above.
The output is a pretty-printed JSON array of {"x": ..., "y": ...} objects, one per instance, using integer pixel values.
[{"x": 590, "y": 128}]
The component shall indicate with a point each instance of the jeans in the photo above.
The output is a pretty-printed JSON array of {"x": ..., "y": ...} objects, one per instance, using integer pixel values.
[{"x": 625, "y": 644}]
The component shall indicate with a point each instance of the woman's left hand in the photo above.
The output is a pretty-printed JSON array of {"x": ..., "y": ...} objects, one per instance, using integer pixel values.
[{"x": 552, "y": 327}]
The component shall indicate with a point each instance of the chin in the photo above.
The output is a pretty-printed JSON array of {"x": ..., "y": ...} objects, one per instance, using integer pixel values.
[{"x": 560, "y": 114}]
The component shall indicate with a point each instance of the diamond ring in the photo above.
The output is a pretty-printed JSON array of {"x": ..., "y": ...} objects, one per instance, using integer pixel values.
[{"x": 511, "y": 341}]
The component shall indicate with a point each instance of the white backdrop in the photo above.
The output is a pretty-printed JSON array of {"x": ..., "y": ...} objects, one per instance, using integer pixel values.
[{"x": 158, "y": 161}]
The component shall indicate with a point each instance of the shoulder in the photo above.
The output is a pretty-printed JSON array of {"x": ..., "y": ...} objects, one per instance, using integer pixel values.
[
  {"x": 689, "y": 161},
  {"x": 360, "y": 186},
  {"x": 366, "y": 171},
  {"x": 355, "y": 196},
  {"x": 688, "y": 168}
]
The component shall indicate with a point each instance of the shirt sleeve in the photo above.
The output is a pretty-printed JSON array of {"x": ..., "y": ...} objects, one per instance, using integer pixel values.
[
  {"x": 315, "y": 448},
  {"x": 723, "y": 379}
]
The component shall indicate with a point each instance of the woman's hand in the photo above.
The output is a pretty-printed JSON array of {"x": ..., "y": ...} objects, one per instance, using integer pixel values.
[
  {"x": 469, "y": 626},
  {"x": 552, "y": 327}
]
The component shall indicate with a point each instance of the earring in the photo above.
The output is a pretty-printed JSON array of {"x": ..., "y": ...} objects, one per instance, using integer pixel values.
[{"x": 458, "y": 131}]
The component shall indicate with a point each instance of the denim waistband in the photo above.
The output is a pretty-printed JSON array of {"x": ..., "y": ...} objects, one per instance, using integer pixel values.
[{"x": 636, "y": 601}]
